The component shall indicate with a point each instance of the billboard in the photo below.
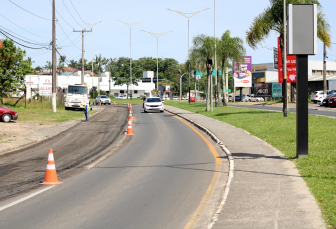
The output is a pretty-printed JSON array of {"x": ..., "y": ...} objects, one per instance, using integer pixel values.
[
  {"x": 291, "y": 66},
  {"x": 276, "y": 90},
  {"x": 167, "y": 88},
  {"x": 263, "y": 89},
  {"x": 243, "y": 73},
  {"x": 46, "y": 86}
]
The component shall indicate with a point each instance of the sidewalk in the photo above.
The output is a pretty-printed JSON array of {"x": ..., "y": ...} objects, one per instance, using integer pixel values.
[{"x": 266, "y": 190}]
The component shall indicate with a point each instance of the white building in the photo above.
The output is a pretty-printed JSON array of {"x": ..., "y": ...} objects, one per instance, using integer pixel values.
[{"x": 43, "y": 83}]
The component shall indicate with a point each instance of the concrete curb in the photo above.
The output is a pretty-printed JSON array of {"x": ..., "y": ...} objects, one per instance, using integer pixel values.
[
  {"x": 230, "y": 160},
  {"x": 75, "y": 122}
]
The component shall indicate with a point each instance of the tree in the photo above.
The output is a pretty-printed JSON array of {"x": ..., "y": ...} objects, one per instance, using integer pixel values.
[
  {"x": 101, "y": 62},
  {"x": 203, "y": 50},
  {"x": 61, "y": 67},
  {"x": 272, "y": 19},
  {"x": 229, "y": 48},
  {"x": 48, "y": 66},
  {"x": 13, "y": 68}
]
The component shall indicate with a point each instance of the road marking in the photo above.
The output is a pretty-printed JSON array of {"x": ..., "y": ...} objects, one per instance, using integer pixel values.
[
  {"x": 25, "y": 198},
  {"x": 197, "y": 214}
]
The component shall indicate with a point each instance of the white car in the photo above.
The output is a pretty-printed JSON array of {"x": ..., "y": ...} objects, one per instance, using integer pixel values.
[
  {"x": 103, "y": 99},
  {"x": 253, "y": 98},
  {"x": 153, "y": 104},
  {"x": 166, "y": 98},
  {"x": 318, "y": 96},
  {"x": 176, "y": 98}
]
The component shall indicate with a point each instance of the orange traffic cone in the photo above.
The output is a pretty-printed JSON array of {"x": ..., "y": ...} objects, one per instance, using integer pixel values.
[
  {"x": 127, "y": 105},
  {"x": 115, "y": 104},
  {"x": 99, "y": 103},
  {"x": 129, "y": 129},
  {"x": 130, "y": 107},
  {"x": 51, "y": 176},
  {"x": 130, "y": 116}
]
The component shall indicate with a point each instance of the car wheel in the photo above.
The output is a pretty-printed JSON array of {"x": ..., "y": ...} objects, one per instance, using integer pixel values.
[
  {"x": 249, "y": 100},
  {"x": 109, "y": 103},
  {"x": 162, "y": 111},
  {"x": 6, "y": 118},
  {"x": 145, "y": 111},
  {"x": 315, "y": 102}
]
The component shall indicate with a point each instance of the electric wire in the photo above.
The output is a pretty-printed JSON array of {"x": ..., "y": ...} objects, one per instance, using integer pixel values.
[
  {"x": 23, "y": 28},
  {"x": 71, "y": 14},
  {"x": 61, "y": 16},
  {"x": 20, "y": 43},
  {"x": 30, "y": 12},
  {"x": 3, "y": 31},
  {"x": 42, "y": 44},
  {"x": 78, "y": 14},
  {"x": 66, "y": 35}
]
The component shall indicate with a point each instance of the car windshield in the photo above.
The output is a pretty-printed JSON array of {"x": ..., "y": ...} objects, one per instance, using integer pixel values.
[
  {"x": 153, "y": 100},
  {"x": 331, "y": 95},
  {"x": 104, "y": 97},
  {"x": 77, "y": 90}
]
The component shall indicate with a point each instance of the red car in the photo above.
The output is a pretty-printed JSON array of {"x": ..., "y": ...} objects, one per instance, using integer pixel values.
[
  {"x": 192, "y": 99},
  {"x": 332, "y": 101},
  {"x": 7, "y": 115}
]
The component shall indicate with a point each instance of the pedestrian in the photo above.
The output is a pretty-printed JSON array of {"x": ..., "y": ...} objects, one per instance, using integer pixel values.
[{"x": 87, "y": 111}]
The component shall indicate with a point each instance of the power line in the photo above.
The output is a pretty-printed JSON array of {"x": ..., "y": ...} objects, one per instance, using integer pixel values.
[
  {"x": 3, "y": 31},
  {"x": 23, "y": 28},
  {"x": 42, "y": 44},
  {"x": 61, "y": 16},
  {"x": 77, "y": 12},
  {"x": 70, "y": 13},
  {"x": 20, "y": 43},
  {"x": 66, "y": 34},
  {"x": 30, "y": 12}
]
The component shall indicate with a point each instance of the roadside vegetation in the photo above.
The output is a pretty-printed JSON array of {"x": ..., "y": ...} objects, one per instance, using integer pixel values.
[
  {"x": 41, "y": 112},
  {"x": 318, "y": 169}
]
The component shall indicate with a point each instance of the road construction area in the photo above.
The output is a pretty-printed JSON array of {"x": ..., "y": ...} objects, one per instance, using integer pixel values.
[{"x": 25, "y": 168}]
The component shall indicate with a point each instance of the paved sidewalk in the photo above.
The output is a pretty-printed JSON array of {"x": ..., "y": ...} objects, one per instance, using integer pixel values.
[{"x": 266, "y": 190}]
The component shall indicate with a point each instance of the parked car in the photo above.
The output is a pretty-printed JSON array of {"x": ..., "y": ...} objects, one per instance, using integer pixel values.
[
  {"x": 245, "y": 98},
  {"x": 166, "y": 98},
  {"x": 153, "y": 104},
  {"x": 332, "y": 101},
  {"x": 237, "y": 98},
  {"x": 192, "y": 99},
  {"x": 176, "y": 98},
  {"x": 7, "y": 115},
  {"x": 230, "y": 98},
  {"x": 325, "y": 102},
  {"x": 253, "y": 98},
  {"x": 104, "y": 99},
  {"x": 317, "y": 96}
]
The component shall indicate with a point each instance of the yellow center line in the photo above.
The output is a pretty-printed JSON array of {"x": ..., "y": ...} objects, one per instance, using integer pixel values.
[{"x": 197, "y": 214}]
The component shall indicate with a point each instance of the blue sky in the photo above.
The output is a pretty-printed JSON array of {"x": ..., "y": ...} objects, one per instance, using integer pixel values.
[{"x": 111, "y": 37}]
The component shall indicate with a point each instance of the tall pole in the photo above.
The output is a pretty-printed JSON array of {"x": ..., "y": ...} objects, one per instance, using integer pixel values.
[
  {"x": 130, "y": 25},
  {"x": 285, "y": 62},
  {"x": 215, "y": 58},
  {"x": 157, "y": 53},
  {"x": 188, "y": 15},
  {"x": 324, "y": 70},
  {"x": 54, "y": 62},
  {"x": 91, "y": 25},
  {"x": 83, "y": 31}
]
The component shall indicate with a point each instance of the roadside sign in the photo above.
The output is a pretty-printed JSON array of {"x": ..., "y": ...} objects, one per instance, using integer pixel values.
[{"x": 228, "y": 90}]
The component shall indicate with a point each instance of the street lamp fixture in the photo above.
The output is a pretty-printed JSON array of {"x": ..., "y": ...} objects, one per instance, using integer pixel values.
[
  {"x": 157, "y": 53},
  {"x": 130, "y": 25},
  {"x": 188, "y": 15}
]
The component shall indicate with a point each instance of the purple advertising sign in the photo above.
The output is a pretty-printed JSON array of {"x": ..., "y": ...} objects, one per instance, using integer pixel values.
[{"x": 243, "y": 73}]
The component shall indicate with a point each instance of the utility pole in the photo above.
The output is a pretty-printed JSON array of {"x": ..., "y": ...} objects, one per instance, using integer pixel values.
[
  {"x": 83, "y": 31},
  {"x": 216, "y": 87},
  {"x": 54, "y": 62},
  {"x": 284, "y": 65},
  {"x": 324, "y": 70}
]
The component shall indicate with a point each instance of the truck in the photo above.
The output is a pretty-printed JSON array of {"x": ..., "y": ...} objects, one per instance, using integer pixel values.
[{"x": 77, "y": 97}]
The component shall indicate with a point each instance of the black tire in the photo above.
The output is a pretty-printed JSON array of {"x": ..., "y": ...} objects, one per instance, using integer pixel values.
[
  {"x": 67, "y": 108},
  {"x": 315, "y": 102},
  {"x": 161, "y": 111},
  {"x": 6, "y": 118},
  {"x": 145, "y": 111}
]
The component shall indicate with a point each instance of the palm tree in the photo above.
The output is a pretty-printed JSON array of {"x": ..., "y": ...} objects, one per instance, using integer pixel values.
[
  {"x": 272, "y": 19},
  {"x": 202, "y": 51},
  {"x": 229, "y": 48},
  {"x": 61, "y": 67},
  {"x": 48, "y": 66},
  {"x": 100, "y": 61}
]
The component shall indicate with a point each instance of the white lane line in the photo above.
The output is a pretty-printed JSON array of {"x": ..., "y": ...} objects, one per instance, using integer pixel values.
[{"x": 25, "y": 198}]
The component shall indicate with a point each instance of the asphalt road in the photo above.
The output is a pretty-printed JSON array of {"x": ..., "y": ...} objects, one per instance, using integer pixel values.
[{"x": 156, "y": 181}]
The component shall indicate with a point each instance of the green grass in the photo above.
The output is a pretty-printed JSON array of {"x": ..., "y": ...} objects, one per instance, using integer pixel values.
[
  {"x": 318, "y": 169},
  {"x": 41, "y": 113}
]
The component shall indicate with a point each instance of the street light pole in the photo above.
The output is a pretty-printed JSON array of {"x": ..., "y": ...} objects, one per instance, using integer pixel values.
[
  {"x": 181, "y": 85},
  {"x": 91, "y": 25},
  {"x": 130, "y": 25},
  {"x": 188, "y": 15},
  {"x": 216, "y": 92},
  {"x": 157, "y": 53}
]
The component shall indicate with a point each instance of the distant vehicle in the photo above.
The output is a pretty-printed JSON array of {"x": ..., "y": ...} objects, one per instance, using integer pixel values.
[
  {"x": 324, "y": 102},
  {"x": 253, "y": 98},
  {"x": 166, "y": 98},
  {"x": 176, "y": 98},
  {"x": 237, "y": 98},
  {"x": 192, "y": 99},
  {"x": 8, "y": 115},
  {"x": 332, "y": 101},
  {"x": 103, "y": 99},
  {"x": 230, "y": 98},
  {"x": 77, "y": 97},
  {"x": 153, "y": 104},
  {"x": 317, "y": 96}
]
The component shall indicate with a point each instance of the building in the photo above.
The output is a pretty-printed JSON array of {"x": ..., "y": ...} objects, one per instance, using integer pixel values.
[{"x": 43, "y": 83}]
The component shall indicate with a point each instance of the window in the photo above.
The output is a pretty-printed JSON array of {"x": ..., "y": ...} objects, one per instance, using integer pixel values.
[
  {"x": 135, "y": 92},
  {"x": 122, "y": 91},
  {"x": 314, "y": 72}
]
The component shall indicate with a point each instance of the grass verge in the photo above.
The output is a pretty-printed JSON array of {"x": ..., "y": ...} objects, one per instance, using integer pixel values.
[
  {"x": 318, "y": 170},
  {"x": 42, "y": 112}
]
